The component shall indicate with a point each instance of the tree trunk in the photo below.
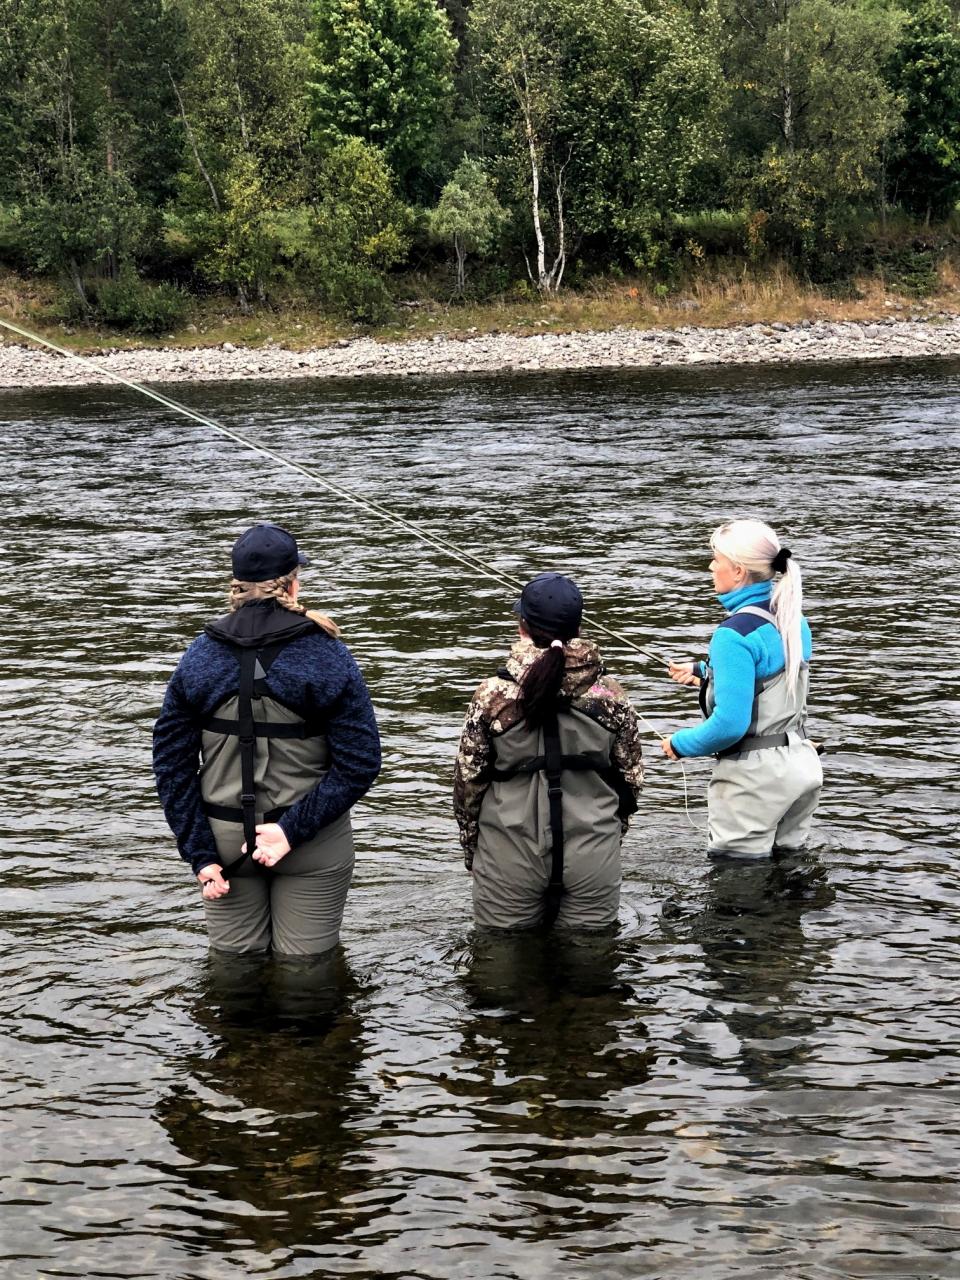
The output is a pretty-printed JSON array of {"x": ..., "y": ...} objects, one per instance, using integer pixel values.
[
  {"x": 535, "y": 195},
  {"x": 241, "y": 117},
  {"x": 787, "y": 92},
  {"x": 110, "y": 257},
  {"x": 193, "y": 144},
  {"x": 461, "y": 253},
  {"x": 560, "y": 261},
  {"x": 77, "y": 281}
]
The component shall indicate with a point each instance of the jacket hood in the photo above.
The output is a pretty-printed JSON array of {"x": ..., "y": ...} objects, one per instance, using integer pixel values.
[
  {"x": 258, "y": 623},
  {"x": 581, "y": 658}
]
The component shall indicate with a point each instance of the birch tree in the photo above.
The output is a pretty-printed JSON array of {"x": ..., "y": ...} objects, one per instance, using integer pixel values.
[{"x": 520, "y": 52}]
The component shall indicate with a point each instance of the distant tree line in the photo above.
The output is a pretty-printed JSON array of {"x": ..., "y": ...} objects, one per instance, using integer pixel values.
[{"x": 149, "y": 147}]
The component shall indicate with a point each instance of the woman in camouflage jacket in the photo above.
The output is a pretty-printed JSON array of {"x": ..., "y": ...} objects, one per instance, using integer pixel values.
[{"x": 548, "y": 771}]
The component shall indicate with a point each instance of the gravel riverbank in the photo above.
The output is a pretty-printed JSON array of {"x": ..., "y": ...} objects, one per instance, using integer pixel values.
[{"x": 939, "y": 335}]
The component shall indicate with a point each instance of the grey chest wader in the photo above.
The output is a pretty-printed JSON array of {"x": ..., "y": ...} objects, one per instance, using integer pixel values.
[
  {"x": 553, "y": 763},
  {"x": 246, "y": 728},
  {"x": 764, "y": 788},
  {"x": 775, "y": 713}
]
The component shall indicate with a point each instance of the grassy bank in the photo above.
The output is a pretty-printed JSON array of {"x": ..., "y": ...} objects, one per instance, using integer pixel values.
[{"x": 718, "y": 296}]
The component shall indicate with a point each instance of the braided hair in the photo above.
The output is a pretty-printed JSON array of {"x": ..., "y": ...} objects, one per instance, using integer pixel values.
[{"x": 278, "y": 589}]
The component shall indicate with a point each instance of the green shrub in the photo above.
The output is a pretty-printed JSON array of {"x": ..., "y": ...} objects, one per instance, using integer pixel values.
[
  {"x": 133, "y": 304},
  {"x": 358, "y": 292},
  {"x": 11, "y": 237},
  {"x": 716, "y": 230},
  {"x": 359, "y": 230},
  {"x": 68, "y": 307},
  {"x": 910, "y": 270},
  {"x": 489, "y": 280}
]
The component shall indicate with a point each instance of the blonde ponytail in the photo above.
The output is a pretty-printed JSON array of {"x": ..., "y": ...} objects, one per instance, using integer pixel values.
[
  {"x": 786, "y": 605},
  {"x": 278, "y": 589}
]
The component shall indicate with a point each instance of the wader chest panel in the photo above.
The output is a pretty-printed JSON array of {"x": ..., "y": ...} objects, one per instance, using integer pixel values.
[
  {"x": 570, "y": 744},
  {"x": 259, "y": 757},
  {"x": 776, "y": 713}
]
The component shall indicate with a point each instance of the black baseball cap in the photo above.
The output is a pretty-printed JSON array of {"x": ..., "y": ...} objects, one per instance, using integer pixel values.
[
  {"x": 552, "y": 605},
  {"x": 265, "y": 552}
]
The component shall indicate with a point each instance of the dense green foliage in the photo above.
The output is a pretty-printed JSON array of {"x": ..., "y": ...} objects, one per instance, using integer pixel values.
[
  {"x": 925, "y": 69},
  {"x": 809, "y": 115},
  {"x": 150, "y": 149},
  {"x": 382, "y": 70}
]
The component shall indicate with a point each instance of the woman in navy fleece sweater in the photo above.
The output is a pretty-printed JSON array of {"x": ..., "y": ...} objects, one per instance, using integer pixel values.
[
  {"x": 272, "y": 848},
  {"x": 753, "y": 690}
]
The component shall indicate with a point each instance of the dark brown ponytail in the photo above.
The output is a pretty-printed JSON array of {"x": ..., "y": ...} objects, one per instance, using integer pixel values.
[{"x": 540, "y": 683}]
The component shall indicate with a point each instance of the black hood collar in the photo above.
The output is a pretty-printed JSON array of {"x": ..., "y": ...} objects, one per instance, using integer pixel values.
[{"x": 259, "y": 623}]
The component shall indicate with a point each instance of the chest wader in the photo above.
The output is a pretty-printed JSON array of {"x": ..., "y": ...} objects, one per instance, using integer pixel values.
[
  {"x": 775, "y": 713},
  {"x": 296, "y": 754},
  {"x": 552, "y": 764},
  {"x": 764, "y": 787}
]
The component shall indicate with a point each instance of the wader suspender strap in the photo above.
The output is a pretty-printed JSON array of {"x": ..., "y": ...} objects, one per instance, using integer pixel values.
[
  {"x": 248, "y": 752},
  {"x": 553, "y": 767}
]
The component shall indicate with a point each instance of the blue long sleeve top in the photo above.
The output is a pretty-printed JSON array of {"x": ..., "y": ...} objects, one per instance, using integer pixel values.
[
  {"x": 315, "y": 676},
  {"x": 742, "y": 651}
]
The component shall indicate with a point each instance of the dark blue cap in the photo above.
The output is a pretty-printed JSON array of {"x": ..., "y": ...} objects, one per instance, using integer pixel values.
[
  {"x": 551, "y": 605},
  {"x": 265, "y": 552}
]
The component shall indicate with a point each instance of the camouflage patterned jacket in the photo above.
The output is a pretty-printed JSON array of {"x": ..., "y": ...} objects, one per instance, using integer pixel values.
[{"x": 495, "y": 709}]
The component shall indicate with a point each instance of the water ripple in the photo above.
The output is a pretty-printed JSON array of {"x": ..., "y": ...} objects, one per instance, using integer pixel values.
[{"x": 759, "y": 1074}]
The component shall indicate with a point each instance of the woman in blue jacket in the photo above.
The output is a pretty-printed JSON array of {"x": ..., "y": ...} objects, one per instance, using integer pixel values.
[
  {"x": 265, "y": 740},
  {"x": 753, "y": 693}
]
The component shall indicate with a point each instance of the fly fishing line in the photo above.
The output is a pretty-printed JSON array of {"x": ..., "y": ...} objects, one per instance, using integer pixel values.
[{"x": 466, "y": 558}]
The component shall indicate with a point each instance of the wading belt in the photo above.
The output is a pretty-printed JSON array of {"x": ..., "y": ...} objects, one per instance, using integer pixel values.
[
  {"x": 626, "y": 801},
  {"x": 755, "y": 742}
]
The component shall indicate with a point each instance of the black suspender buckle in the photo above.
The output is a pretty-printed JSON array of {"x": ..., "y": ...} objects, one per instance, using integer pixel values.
[{"x": 248, "y": 800}]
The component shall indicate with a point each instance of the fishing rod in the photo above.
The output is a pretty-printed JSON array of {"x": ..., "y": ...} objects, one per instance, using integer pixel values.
[{"x": 439, "y": 544}]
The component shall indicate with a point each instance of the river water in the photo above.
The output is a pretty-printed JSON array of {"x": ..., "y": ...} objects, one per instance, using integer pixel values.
[{"x": 759, "y": 1075}]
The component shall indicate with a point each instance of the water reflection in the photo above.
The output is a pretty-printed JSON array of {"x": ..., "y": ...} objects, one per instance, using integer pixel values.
[
  {"x": 541, "y": 1008},
  {"x": 757, "y": 958},
  {"x": 273, "y": 1158},
  {"x": 550, "y": 1040}
]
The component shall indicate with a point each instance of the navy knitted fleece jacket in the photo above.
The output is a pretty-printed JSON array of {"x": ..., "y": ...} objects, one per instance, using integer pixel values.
[{"x": 315, "y": 676}]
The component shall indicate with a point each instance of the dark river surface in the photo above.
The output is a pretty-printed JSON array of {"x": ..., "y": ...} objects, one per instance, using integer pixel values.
[{"x": 759, "y": 1075}]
